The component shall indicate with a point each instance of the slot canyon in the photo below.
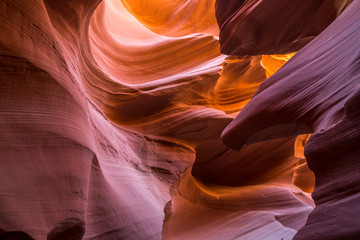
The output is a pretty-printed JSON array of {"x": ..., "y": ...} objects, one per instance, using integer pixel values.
[{"x": 180, "y": 119}]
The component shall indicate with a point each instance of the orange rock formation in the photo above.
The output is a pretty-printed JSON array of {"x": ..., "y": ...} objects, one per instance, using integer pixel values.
[{"x": 124, "y": 119}]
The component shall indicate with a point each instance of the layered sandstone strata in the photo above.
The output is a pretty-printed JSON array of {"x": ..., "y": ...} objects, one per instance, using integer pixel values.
[{"x": 112, "y": 112}]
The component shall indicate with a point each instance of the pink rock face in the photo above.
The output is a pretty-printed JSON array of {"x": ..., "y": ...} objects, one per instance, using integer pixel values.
[
  {"x": 333, "y": 156},
  {"x": 299, "y": 98},
  {"x": 256, "y": 27},
  {"x": 117, "y": 120},
  {"x": 319, "y": 89}
]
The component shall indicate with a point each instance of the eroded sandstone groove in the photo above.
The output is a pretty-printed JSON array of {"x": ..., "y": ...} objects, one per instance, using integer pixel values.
[{"x": 125, "y": 119}]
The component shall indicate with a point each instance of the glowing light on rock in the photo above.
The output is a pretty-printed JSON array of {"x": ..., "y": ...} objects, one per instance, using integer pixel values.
[{"x": 124, "y": 119}]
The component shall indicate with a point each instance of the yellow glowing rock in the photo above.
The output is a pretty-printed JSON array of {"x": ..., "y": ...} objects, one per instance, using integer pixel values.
[
  {"x": 175, "y": 18},
  {"x": 272, "y": 63},
  {"x": 303, "y": 177},
  {"x": 299, "y": 145}
]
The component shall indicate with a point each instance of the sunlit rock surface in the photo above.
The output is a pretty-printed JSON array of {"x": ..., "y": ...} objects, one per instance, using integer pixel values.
[
  {"x": 317, "y": 91},
  {"x": 115, "y": 118}
]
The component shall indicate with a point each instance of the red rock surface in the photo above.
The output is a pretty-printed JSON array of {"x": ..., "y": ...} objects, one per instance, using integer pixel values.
[
  {"x": 317, "y": 91},
  {"x": 112, "y": 112},
  {"x": 253, "y": 27}
]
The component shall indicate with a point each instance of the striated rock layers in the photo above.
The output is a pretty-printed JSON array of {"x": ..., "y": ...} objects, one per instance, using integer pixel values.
[
  {"x": 123, "y": 119},
  {"x": 317, "y": 91},
  {"x": 256, "y": 27}
]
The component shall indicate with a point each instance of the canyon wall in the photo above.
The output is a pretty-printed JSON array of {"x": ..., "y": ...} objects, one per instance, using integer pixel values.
[{"x": 125, "y": 119}]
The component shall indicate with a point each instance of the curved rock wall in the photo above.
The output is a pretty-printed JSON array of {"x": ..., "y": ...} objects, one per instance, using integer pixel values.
[{"x": 118, "y": 119}]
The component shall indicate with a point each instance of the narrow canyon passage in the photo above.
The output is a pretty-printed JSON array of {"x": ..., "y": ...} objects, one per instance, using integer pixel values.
[{"x": 201, "y": 119}]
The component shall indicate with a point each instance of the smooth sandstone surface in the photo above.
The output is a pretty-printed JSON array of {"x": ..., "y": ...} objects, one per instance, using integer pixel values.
[
  {"x": 118, "y": 119},
  {"x": 316, "y": 91},
  {"x": 254, "y": 27}
]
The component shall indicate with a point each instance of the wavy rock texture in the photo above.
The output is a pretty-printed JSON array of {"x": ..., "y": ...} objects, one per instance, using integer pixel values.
[
  {"x": 317, "y": 91},
  {"x": 252, "y": 27},
  {"x": 112, "y": 112}
]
